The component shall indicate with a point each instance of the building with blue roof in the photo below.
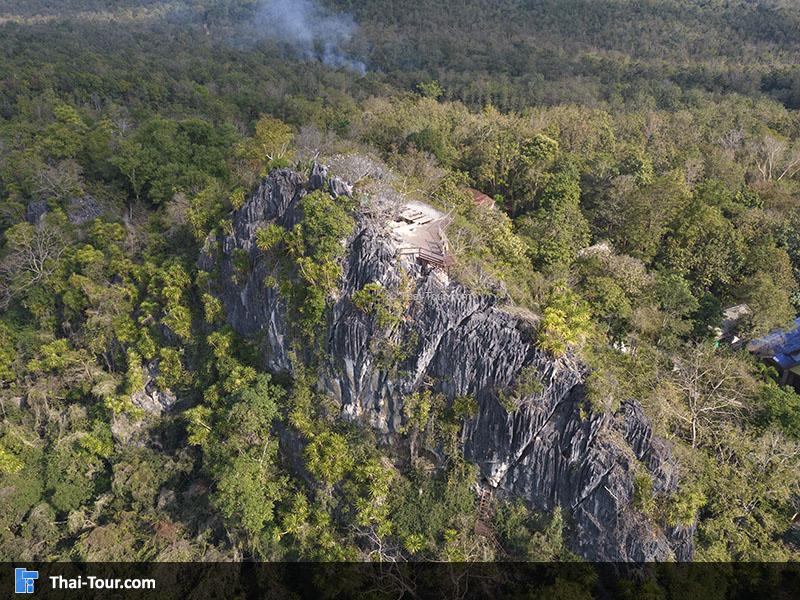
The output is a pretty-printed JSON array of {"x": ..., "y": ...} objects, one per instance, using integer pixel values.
[{"x": 781, "y": 350}]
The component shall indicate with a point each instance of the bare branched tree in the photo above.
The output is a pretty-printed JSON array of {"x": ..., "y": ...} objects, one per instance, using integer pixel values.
[
  {"x": 775, "y": 160},
  {"x": 380, "y": 550},
  {"x": 61, "y": 180},
  {"x": 33, "y": 252},
  {"x": 732, "y": 140},
  {"x": 311, "y": 143},
  {"x": 384, "y": 203},
  {"x": 357, "y": 167},
  {"x": 712, "y": 389}
]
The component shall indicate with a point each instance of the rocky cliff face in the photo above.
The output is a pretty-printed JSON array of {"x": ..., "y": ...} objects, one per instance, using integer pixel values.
[{"x": 545, "y": 449}]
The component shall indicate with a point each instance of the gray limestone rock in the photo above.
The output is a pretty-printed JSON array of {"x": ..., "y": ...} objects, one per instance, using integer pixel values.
[
  {"x": 152, "y": 399},
  {"x": 548, "y": 450},
  {"x": 35, "y": 210},
  {"x": 83, "y": 210}
]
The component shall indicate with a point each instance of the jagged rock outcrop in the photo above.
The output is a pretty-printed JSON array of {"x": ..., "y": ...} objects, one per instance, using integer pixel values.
[
  {"x": 546, "y": 450},
  {"x": 152, "y": 399},
  {"x": 82, "y": 210},
  {"x": 35, "y": 210}
]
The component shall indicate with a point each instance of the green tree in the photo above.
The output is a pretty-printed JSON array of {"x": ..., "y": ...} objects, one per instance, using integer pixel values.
[
  {"x": 704, "y": 247},
  {"x": 164, "y": 157},
  {"x": 557, "y": 230},
  {"x": 315, "y": 248},
  {"x": 269, "y": 147},
  {"x": 779, "y": 406},
  {"x": 566, "y": 321},
  {"x": 636, "y": 215},
  {"x": 241, "y": 454},
  {"x": 328, "y": 457}
]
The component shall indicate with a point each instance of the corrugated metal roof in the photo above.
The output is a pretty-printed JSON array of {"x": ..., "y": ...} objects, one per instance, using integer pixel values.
[
  {"x": 481, "y": 199},
  {"x": 782, "y": 346},
  {"x": 784, "y": 361}
]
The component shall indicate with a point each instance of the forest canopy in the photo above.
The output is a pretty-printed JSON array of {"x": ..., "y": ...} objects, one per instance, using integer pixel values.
[{"x": 644, "y": 163}]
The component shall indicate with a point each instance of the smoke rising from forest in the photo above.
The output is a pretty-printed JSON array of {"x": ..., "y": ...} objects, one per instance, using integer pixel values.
[{"x": 311, "y": 30}]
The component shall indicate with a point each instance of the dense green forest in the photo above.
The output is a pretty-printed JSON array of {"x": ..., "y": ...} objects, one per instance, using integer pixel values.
[
  {"x": 645, "y": 162},
  {"x": 521, "y": 53}
]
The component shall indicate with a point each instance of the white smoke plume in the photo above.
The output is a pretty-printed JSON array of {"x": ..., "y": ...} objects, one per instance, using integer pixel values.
[{"x": 311, "y": 30}]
